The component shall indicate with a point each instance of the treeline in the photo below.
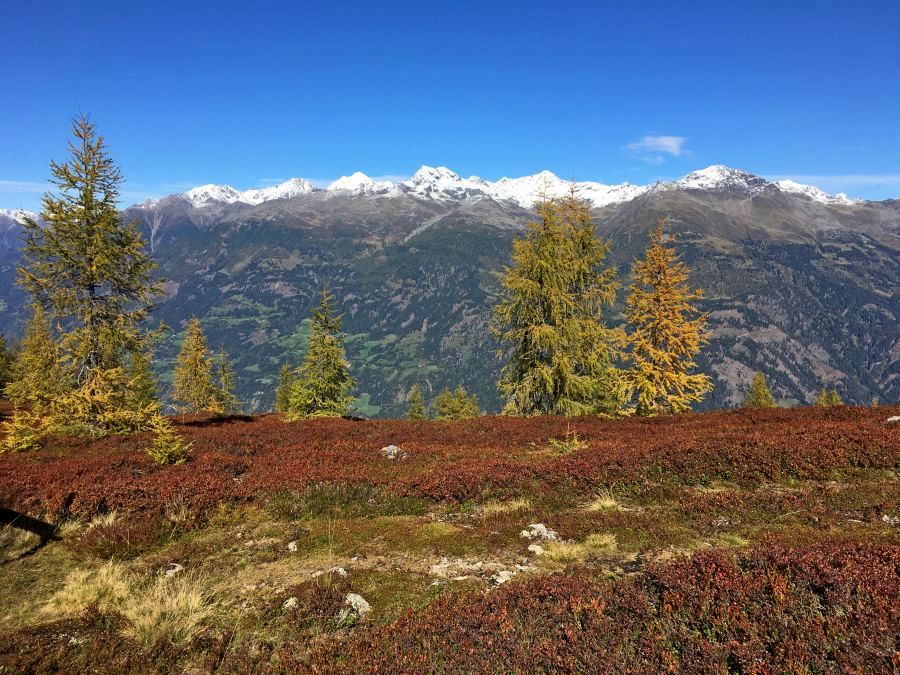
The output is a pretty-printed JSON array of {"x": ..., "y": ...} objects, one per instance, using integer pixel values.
[{"x": 84, "y": 364}]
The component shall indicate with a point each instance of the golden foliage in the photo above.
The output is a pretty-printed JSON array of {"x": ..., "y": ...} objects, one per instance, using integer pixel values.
[{"x": 666, "y": 332}]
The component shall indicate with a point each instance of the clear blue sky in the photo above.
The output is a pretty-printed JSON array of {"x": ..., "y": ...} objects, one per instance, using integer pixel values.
[{"x": 251, "y": 93}]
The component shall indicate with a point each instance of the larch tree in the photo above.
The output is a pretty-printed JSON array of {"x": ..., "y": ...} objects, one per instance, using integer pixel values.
[
  {"x": 323, "y": 382},
  {"x": 286, "y": 379},
  {"x": 549, "y": 319},
  {"x": 89, "y": 271},
  {"x": 828, "y": 397},
  {"x": 455, "y": 405},
  {"x": 225, "y": 383},
  {"x": 666, "y": 332},
  {"x": 36, "y": 377},
  {"x": 415, "y": 404},
  {"x": 758, "y": 395},
  {"x": 193, "y": 386},
  {"x": 142, "y": 388}
]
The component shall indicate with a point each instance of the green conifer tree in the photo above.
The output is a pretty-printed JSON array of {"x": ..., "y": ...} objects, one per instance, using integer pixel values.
[
  {"x": 455, "y": 405},
  {"x": 90, "y": 272},
  {"x": 549, "y": 319},
  {"x": 415, "y": 404},
  {"x": 758, "y": 395},
  {"x": 193, "y": 386},
  {"x": 667, "y": 332},
  {"x": 834, "y": 398},
  {"x": 323, "y": 382},
  {"x": 286, "y": 378},
  {"x": 37, "y": 379},
  {"x": 227, "y": 401},
  {"x": 822, "y": 398},
  {"x": 142, "y": 389}
]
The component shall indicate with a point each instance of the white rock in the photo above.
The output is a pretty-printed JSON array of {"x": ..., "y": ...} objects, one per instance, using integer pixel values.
[
  {"x": 172, "y": 569},
  {"x": 893, "y": 420},
  {"x": 290, "y": 603},
  {"x": 502, "y": 577},
  {"x": 355, "y": 606},
  {"x": 890, "y": 520},
  {"x": 292, "y": 547},
  {"x": 537, "y": 549},
  {"x": 539, "y": 531},
  {"x": 340, "y": 571},
  {"x": 393, "y": 452}
]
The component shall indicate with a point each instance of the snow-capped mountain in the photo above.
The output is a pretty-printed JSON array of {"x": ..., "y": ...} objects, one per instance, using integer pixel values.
[
  {"x": 815, "y": 193},
  {"x": 360, "y": 184},
  {"x": 10, "y": 219},
  {"x": 720, "y": 177},
  {"x": 17, "y": 215},
  {"x": 206, "y": 195},
  {"x": 440, "y": 184}
]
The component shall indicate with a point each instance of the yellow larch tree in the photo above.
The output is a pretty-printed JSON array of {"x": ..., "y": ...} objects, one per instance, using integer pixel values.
[{"x": 666, "y": 332}]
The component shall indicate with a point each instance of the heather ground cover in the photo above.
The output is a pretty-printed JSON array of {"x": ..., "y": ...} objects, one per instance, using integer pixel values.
[{"x": 749, "y": 541}]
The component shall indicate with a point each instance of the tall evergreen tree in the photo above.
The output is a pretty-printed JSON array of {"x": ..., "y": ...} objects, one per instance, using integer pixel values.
[
  {"x": 286, "y": 378},
  {"x": 549, "y": 319},
  {"x": 323, "y": 382},
  {"x": 6, "y": 361},
  {"x": 415, "y": 404},
  {"x": 667, "y": 332},
  {"x": 193, "y": 386},
  {"x": 37, "y": 378},
  {"x": 758, "y": 395},
  {"x": 87, "y": 268},
  {"x": 225, "y": 380}
]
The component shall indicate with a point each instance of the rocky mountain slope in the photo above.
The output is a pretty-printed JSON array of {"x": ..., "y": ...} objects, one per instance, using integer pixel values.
[{"x": 799, "y": 284}]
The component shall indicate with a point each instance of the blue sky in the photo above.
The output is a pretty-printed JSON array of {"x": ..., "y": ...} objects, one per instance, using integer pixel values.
[{"x": 252, "y": 93}]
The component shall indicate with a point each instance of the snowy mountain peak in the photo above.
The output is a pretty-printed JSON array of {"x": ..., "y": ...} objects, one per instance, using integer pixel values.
[
  {"x": 286, "y": 190},
  {"x": 719, "y": 176},
  {"x": 815, "y": 193},
  {"x": 360, "y": 184},
  {"x": 442, "y": 184},
  {"x": 204, "y": 195},
  {"x": 17, "y": 215}
]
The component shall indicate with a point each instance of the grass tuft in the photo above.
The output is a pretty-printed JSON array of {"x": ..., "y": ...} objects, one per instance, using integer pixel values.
[
  {"x": 603, "y": 502},
  {"x": 105, "y": 588},
  {"x": 496, "y": 508},
  {"x": 168, "y": 609},
  {"x": 569, "y": 552}
]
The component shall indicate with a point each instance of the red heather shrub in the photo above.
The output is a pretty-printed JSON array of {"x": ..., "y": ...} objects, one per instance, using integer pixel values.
[
  {"x": 244, "y": 458},
  {"x": 773, "y": 609}
]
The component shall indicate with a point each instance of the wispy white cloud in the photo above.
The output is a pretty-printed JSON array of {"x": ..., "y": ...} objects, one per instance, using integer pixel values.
[
  {"x": 654, "y": 149},
  {"x": 22, "y": 186}
]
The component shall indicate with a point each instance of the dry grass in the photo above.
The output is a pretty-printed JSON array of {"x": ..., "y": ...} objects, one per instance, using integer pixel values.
[
  {"x": 173, "y": 609},
  {"x": 496, "y": 508},
  {"x": 603, "y": 502},
  {"x": 571, "y": 551},
  {"x": 104, "y": 519},
  {"x": 106, "y": 587},
  {"x": 168, "y": 609}
]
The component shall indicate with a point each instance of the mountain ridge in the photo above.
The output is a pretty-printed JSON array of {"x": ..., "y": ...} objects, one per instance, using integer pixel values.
[{"x": 803, "y": 289}]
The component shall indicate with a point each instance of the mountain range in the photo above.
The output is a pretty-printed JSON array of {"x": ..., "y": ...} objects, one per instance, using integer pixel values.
[{"x": 799, "y": 284}]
